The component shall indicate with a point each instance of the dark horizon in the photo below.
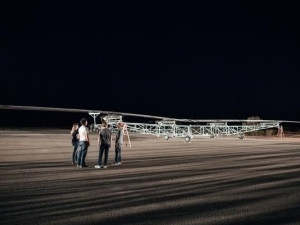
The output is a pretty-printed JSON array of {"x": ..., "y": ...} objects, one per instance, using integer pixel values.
[{"x": 208, "y": 60}]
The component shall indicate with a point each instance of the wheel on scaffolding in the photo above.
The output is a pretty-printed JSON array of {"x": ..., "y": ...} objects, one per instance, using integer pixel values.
[
  {"x": 241, "y": 136},
  {"x": 167, "y": 137},
  {"x": 187, "y": 139}
]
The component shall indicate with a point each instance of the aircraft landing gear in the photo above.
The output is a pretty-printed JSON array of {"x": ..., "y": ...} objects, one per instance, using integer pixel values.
[
  {"x": 187, "y": 139},
  {"x": 241, "y": 136}
]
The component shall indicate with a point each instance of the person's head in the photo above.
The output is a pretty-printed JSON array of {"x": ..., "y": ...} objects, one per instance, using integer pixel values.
[
  {"x": 119, "y": 125},
  {"x": 75, "y": 126},
  {"x": 104, "y": 123},
  {"x": 83, "y": 121}
]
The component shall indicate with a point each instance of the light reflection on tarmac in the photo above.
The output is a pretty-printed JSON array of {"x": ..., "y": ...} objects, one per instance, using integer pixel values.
[{"x": 208, "y": 181}]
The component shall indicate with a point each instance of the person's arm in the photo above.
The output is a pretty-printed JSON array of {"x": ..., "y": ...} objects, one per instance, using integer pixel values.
[
  {"x": 99, "y": 138},
  {"x": 117, "y": 136},
  {"x": 87, "y": 135}
]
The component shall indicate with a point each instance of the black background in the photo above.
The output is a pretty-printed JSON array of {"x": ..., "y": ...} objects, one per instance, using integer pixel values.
[{"x": 205, "y": 60}]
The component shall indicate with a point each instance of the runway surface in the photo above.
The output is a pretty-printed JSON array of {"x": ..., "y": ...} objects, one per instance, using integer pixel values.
[{"x": 208, "y": 181}]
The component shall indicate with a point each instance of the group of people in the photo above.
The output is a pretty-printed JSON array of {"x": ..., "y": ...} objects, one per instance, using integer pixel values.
[{"x": 81, "y": 142}]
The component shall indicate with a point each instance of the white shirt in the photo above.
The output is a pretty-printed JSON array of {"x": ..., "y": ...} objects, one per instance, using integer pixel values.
[{"x": 82, "y": 133}]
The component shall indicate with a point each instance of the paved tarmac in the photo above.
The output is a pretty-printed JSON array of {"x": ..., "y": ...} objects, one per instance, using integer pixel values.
[{"x": 208, "y": 181}]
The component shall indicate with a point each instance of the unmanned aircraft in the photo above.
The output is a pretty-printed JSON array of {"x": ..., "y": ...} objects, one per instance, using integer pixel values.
[{"x": 167, "y": 127}]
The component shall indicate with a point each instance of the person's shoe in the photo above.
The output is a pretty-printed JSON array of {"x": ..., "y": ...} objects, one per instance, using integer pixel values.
[
  {"x": 85, "y": 166},
  {"x": 119, "y": 163},
  {"x": 80, "y": 166},
  {"x": 104, "y": 167},
  {"x": 115, "y": 163},
  {"x": 77, "y": 165},
  {"x": 97, "y": 166}
]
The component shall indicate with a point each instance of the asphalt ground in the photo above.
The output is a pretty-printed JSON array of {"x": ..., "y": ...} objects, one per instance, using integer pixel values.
[{"x": 208, "y": 181}]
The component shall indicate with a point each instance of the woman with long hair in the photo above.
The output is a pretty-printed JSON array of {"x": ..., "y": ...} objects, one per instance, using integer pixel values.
[{"x": 75, "y": 142}]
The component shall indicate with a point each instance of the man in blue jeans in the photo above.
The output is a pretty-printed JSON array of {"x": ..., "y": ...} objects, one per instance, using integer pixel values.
[
  {"x": 104, "y": 141},
  {"x": 83, "y": 143}
]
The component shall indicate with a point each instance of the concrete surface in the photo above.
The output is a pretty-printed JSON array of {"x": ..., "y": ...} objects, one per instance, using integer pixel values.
[{"x": 207, "y": 181}]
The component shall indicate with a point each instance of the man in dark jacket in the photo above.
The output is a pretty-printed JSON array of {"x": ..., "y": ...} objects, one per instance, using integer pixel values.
[{"x": 104, "y": 141}]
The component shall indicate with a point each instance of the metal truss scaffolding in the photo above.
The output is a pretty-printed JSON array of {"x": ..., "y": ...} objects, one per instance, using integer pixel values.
[{"x": 169, "y": 128}]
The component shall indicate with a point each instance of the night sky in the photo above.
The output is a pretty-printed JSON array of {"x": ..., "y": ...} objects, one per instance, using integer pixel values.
[{"x": 205, "y": 60}]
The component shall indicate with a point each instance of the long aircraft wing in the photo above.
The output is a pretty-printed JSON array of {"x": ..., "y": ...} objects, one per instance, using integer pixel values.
[{"x": 37, "y": 108}]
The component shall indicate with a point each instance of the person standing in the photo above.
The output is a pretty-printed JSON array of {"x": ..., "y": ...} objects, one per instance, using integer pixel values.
[
  {"x": 75, "y": 142},
  {"x": 118, "y": 144},
  {"x": 280, "y": 132},
  {"x": 104, "y": 141},
  {"x": 84, "y": 142}
]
